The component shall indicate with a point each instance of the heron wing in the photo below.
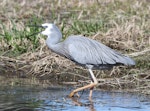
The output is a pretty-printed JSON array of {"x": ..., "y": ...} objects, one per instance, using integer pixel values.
[{"x": 87, "y": 51}]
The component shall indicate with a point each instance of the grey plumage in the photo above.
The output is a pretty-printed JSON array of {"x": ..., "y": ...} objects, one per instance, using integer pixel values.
[{"x": 85, "y": 51}]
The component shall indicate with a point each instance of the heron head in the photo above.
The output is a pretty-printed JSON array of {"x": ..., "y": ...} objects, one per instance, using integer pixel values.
[{"x": 48, "y": 28}]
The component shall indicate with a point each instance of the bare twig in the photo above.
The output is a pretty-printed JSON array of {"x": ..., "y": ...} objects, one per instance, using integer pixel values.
[{"x": 140, "y": 53}]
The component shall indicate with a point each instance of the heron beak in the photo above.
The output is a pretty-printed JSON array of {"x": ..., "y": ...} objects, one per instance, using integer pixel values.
[{"x": 39, "y": 26}]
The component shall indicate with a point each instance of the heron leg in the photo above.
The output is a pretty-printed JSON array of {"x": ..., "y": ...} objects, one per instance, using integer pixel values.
[
  {"x": 77, "y": 95},
  {"x": 91, "y": 91},
  {"x": 91, "y": 86}
]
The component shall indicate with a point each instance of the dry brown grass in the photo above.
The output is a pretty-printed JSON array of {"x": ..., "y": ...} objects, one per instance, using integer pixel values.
[{"x": 126, "y": 29}]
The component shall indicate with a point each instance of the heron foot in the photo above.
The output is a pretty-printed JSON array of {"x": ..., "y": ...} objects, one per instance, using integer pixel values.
[
  {"x": 73, "y": 93},
  {"x": 91, "y": 86}
]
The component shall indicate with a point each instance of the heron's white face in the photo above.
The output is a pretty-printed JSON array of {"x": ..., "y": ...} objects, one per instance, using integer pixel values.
[{"x": 48, "y": 27}]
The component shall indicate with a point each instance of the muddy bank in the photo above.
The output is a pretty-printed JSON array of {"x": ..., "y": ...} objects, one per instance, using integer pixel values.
[{"x": 56, "y": 70}]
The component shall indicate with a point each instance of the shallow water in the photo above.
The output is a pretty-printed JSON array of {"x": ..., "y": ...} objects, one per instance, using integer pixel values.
[{"x": 29, "y": 98}]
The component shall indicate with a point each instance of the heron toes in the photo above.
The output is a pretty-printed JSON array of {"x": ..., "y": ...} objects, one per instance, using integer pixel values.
[{"x": 73, "y": 93}]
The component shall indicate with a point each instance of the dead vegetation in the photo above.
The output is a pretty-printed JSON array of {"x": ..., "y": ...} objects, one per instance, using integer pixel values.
[{"x": 122, "y": 25}]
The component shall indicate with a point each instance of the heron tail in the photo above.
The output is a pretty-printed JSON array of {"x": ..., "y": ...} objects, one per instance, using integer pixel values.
[{"x": 129, "y": 61}]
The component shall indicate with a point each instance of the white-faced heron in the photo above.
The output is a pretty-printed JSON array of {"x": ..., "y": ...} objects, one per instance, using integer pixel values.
[{"x": 85, "y": 52}]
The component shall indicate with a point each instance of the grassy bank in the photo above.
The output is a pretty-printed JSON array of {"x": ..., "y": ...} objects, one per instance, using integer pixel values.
[{"x": 120, "y": 24}]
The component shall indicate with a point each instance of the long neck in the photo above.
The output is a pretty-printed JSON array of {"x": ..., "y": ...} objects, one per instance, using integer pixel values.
[
  {"x": 53, "y": 39},
  {"x": 55, "y": 44}
]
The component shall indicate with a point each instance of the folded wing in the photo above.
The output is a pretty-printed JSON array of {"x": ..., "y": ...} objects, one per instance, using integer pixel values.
[{"x": 87, "y": 51}]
